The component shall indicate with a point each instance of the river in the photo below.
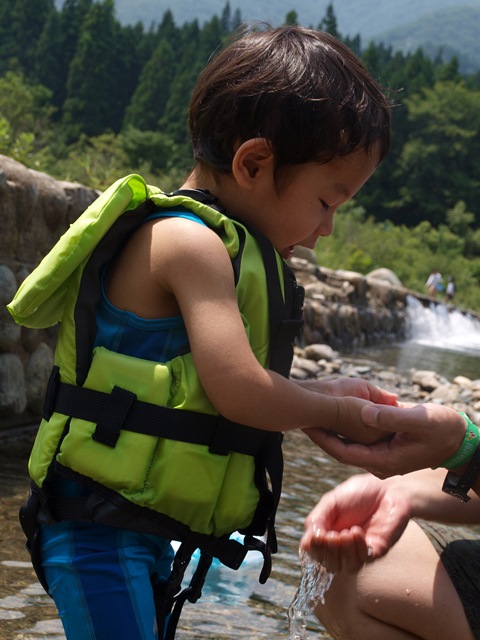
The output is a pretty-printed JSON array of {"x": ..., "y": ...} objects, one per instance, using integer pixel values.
[{"x": 234, "y": 605}]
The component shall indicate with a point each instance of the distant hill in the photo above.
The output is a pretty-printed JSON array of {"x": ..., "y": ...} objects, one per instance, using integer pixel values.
[
  {"x": 367, "y": 17},
  {"x": 406, "y": 25},
  {"x": 454, "y": 30}
]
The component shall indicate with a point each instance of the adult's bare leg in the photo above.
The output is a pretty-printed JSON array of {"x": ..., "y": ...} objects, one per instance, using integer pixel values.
[{"x": 407, "y": 595}]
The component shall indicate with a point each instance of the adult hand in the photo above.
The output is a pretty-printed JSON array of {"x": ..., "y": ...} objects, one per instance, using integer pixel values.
[
  {"x": 425, "y": 436},
  {"x": 355, "y": 523}
]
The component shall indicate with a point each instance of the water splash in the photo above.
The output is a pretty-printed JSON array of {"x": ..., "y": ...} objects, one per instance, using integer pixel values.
[{"x": 314, "y": 583}]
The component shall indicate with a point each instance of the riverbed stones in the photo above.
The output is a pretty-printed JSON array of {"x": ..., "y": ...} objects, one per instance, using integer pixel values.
[
  {"x": 426, "y": 380},
  {"x": 319, "y": 352}
]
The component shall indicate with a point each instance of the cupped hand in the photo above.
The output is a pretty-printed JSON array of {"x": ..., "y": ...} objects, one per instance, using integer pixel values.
[{"x": 355, "y": 523}]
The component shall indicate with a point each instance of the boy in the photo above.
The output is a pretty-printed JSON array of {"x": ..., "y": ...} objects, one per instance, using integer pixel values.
[{"x": 286, "y": 126}]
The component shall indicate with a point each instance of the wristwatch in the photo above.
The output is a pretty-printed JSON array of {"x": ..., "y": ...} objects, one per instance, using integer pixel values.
[{"x": 459, "y": 486}]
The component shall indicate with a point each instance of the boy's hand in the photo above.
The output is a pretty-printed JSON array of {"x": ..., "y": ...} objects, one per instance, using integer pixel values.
[
  {"x": 354, "y": 387},
  {"x": 347, "y": 424},
  {"x": 355, "y": 523}
]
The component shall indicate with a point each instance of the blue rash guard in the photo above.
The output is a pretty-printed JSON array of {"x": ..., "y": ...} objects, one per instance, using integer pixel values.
[{"x": 101, "y": 577}]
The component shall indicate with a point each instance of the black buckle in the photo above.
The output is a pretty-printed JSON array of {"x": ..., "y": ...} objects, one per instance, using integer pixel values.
[
  {"x": 220, "y": 443},
  {"x": 112, "y": 416}
]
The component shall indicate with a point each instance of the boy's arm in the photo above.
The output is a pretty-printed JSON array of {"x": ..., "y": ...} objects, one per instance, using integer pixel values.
[{"x": 196, "y": 269}]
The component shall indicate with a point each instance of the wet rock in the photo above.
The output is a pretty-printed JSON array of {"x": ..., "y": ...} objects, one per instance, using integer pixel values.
[{"x": 426, "y": 380}]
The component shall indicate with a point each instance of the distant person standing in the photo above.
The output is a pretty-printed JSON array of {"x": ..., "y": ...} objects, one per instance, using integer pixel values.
[
  {"x": 434, "y": 282},
  {"x": 450, "y": 290}
]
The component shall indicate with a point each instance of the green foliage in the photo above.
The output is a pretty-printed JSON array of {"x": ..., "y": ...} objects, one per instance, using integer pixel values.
[
  {"x": 329, "y": 22},
  {"x": 151, "y": 95},
  {"x": 291, "y": 18},
  {"x": 20, "y": 147},
  {"x": 361, "y": 244},
  {"x": 442, "y": 151},
  {"x": 26, "y": 128}
]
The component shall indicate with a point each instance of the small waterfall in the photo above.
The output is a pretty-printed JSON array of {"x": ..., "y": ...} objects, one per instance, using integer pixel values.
[{"x": 441, "y": 327}]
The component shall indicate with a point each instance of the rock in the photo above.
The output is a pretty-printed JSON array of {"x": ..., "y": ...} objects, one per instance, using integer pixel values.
[
  {"x": 463, "y": 382},
  {"x": 37, "y": 372},
  {"x": 307, "y": 365},
  {"x": 319, "y": 352},
  {"x": 444, "y": 393},
  {"x": 13, "y": 397},
  {"x": 427, "y": 380},
  {"x": 385, "y": 274}
]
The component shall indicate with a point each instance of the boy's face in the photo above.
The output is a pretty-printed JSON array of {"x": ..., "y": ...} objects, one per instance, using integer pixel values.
[{"x": 302, "y": 209}]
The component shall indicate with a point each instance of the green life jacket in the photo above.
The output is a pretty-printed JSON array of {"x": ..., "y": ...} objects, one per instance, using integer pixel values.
[{"x": 142, "y": 435}]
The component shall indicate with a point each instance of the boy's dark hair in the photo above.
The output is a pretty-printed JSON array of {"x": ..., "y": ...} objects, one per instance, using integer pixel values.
[{"x": 302, "y": 89}]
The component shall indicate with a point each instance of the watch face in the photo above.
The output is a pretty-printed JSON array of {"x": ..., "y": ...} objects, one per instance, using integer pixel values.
[{"x": 453, "y": 487}]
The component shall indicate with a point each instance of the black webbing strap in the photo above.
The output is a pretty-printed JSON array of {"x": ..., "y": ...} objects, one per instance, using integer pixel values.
[
  {"x": 285, "y": 313},
  {"x": 191, "y": 593},
  {"x": 120, "y": 409}
]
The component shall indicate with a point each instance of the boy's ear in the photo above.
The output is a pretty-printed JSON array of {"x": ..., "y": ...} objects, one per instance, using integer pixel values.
[{"x": 252, "y": 160}]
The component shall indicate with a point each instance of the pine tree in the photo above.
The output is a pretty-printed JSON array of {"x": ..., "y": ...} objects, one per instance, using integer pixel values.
[
  {"x": 329, "y": 22},
  {"x": 152, "y": 92},
  {"x": 57, "y": 45},
  {"x": 97, "y": 85},
  {"x": 20, "y": 30}
]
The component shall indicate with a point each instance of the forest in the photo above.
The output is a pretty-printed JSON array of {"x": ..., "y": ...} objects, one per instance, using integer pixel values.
[{"x": 87, "y": 99}]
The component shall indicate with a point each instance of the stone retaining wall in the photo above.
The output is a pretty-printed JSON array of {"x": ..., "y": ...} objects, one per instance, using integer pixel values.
[{"x": 35, "y": 210}]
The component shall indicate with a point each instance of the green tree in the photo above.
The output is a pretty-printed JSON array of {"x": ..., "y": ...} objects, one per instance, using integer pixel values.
[
  {"x": 26, "y": 130},
  {"x": 96, "y": 161},
  {"x": 329, "y": 22},
  {"x": 57, "y": 46},
  {"x": 98, "y": 85},
  {"x": 441, "y": 157},
  {"x": 237, "y": 20},
  {"x": 20, "y": 29},
  {"x": 291, "y": 18},
  {"x": 459, "y": 219},
  {"x": 150, "y": 98},
  {"x": 150, "y": 151},
  {"x": 226, "y": 18},
  {"x": 25, "y": 106},
  {"x": 198, "y": 47}
]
